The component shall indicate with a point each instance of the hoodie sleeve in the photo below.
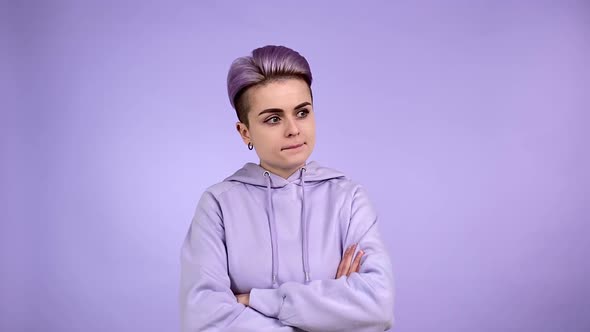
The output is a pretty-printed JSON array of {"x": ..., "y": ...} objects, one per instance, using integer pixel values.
[
  {"x": 361, "y": 302},
  {"x": 206, "y": 301}
]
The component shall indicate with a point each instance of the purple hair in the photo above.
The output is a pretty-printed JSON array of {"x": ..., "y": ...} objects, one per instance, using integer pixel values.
[{"x": 266, "y": 64}]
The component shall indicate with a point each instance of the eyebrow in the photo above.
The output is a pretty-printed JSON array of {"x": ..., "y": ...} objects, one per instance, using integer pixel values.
[{"x": 278, "y": 110}]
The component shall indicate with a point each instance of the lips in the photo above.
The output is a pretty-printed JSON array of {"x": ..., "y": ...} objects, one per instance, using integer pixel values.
[{"x": 293, "y": 146}]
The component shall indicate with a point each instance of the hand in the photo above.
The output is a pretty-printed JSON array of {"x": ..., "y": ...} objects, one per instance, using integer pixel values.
[
  {"x": 243, "y": 299},
  {"x": 347, "y": 266}
]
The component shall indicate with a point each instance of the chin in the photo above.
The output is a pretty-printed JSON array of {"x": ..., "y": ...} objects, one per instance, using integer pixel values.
[{"x": 296, "y": 161}]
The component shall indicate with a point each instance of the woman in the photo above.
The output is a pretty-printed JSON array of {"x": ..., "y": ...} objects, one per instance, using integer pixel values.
[{"x": 286, "y": 244}]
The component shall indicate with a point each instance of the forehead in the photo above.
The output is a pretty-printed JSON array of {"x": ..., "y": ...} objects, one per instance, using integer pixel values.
[{"x": 283, "y": 93}]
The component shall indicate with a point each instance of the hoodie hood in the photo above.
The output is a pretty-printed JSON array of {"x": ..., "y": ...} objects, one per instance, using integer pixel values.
[
  {"x": 254, "y": 174},
  {"x": 311, "y": 172}
]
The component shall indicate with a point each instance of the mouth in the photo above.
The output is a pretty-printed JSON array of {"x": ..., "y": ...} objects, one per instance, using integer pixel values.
[{"x": 291, "y": 147}]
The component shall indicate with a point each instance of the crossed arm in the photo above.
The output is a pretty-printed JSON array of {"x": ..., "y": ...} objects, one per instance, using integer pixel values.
[{"x": 345, "y": 268}]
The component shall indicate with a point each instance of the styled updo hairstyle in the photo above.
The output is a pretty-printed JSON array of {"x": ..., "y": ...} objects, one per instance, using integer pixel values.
[{"x": 266, "y": 64}]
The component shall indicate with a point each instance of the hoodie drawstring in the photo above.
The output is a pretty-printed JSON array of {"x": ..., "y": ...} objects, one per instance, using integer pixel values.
[
  {"x": 304, "y": 237},
  {"x": 273, "y": 231}
]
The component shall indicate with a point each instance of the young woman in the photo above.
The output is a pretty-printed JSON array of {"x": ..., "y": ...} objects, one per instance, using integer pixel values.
[{"x": 285, "y": 244}]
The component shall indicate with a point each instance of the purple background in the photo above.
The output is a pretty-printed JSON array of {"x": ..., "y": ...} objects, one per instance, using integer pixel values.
[{"x": 467, "y": 121}]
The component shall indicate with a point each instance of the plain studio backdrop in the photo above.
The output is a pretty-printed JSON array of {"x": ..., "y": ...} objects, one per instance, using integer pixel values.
[{"x": 467, "y": 122}]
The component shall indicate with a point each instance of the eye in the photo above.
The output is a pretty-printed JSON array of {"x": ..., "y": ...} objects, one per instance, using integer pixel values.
[
  {"x": 272, "y": 120},
  {"x": 303, "y": 113}
]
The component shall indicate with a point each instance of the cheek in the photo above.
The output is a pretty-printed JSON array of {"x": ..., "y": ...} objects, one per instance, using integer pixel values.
[
  {"x": 268, "y": 139},
  {"x": 310, "y": 129}
]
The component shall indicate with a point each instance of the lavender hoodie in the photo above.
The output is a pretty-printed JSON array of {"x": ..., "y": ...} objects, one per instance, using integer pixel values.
[{"x": 281, "y": 240}]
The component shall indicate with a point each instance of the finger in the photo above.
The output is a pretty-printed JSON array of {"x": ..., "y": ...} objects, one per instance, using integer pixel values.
[
  {"x": 347, "y": 259},
  {"x": 341, "y": 265},
  {"x": 360, "y": 263},
  {"x": 357, "y": 263},
  {"x": 342, "y": 268}
]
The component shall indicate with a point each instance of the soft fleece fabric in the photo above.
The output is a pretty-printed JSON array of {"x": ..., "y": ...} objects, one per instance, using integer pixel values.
[{"x": 282, "y": 240}]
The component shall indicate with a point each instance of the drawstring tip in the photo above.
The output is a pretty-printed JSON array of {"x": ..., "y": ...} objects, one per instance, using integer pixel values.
[{"x": 307, "y": 279}]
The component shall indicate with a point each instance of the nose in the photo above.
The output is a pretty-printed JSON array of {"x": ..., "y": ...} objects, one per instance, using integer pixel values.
[{"x": 292, "y": 128}]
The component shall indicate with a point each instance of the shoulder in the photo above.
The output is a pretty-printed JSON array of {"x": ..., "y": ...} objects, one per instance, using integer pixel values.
[
  {"x": 320, "y": 174},
  {"x": 356, "y": 193},
  {"x": 348, "y": 185},
  {"x": 220, "y": 188},
  {"x": 213, "y": 194}
]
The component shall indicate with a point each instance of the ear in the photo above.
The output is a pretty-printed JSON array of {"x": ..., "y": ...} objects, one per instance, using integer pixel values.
[{"x": 244, "y": 132}]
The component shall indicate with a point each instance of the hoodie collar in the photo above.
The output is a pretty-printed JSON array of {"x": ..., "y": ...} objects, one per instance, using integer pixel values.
[{"x": 253, "y": 174}]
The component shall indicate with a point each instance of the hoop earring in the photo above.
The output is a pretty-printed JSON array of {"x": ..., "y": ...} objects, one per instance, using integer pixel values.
[{"x": 250, "y": 146}]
